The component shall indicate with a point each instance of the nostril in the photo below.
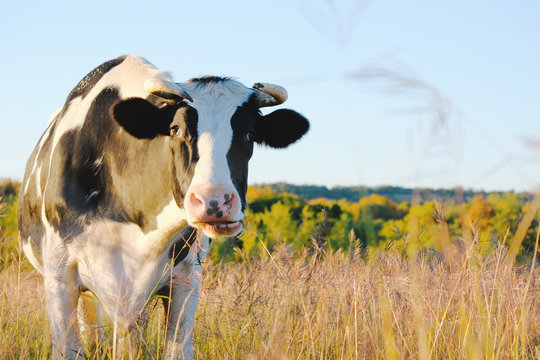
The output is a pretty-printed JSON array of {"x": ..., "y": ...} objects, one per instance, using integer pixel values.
[
  {"x": 196, "y": 200},
  {"x": 228, "y": 199}
]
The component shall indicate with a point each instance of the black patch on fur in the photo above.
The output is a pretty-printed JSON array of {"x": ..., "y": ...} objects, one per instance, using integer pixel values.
[
  {"x": 242, "y": 123},
  {"x": 84, "y": 176},
  {"x": 30, "y": 225},
  {"x": 180, "y": 248},
  {"x": 184, "y": 152}
]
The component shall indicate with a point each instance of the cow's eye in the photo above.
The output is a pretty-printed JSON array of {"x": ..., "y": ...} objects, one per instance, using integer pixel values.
[
  {"x": 175, "y": 131},
  {"x": 249, "y": 137}
]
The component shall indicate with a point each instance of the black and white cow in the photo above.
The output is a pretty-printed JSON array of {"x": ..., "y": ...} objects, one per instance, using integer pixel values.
[{"x": 131, "y": 178}]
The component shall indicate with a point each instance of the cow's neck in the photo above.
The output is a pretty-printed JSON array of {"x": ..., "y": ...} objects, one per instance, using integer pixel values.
[{"x": 146, "y": 187}]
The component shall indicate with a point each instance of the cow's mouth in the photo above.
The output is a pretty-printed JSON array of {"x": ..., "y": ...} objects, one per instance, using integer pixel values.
[{"x": 224, "y": 228}]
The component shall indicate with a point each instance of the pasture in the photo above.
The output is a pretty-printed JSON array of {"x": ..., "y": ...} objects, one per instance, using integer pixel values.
[{"x": 466, "y": 302}]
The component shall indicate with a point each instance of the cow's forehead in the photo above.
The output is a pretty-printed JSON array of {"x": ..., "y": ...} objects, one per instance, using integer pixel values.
[{"x": 216, "y": 99}]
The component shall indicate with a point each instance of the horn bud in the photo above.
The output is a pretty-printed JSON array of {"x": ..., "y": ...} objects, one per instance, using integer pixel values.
[
  {"x": 166, "y": 89},
  {"x": 269, "y": 94}
]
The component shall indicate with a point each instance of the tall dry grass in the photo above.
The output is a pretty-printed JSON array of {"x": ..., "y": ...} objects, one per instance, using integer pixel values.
[
  {"x": 465, "y": 303},
  {"x": 480, "y": 307}
]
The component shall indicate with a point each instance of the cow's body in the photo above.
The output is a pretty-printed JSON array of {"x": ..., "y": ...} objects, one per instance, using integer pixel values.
[{"x": 127, "y": 184}]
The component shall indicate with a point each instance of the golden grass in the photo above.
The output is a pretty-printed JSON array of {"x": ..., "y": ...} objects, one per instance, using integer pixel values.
[
  {"x": 468, "y": 301},
  {"x": 474, "y": 306},
  {"x": 385, "y": 308}
]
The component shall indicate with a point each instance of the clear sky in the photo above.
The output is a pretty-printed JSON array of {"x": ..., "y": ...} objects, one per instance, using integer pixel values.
[{"x": 406, "y": 93}]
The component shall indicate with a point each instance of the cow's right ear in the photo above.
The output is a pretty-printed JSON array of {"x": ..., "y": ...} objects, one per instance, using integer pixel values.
[{"x": 140, "y": 118}]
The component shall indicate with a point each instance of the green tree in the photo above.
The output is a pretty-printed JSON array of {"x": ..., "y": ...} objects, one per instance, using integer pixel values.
[
  {"x": 8, "y": 218},
  {"x": 306, "y": 228},
  {"x": 9, "y": 189},
  {"x": 415, "y": 231},
  {"x": 8, "y": 230},
  {"x": 339, "y": 235},
  {"x": 507, "y": 211},
  {"x": 480, "y": 212},
  {"x": 276, "y": 225}
]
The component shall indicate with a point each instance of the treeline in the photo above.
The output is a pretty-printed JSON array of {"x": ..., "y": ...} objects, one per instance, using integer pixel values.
[
  {"x": 394, "y": 193},
  {"x": 288, "y": 214}
]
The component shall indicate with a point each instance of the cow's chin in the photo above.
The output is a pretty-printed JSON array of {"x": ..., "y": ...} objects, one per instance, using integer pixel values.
[{"x": 217, "y": 229}]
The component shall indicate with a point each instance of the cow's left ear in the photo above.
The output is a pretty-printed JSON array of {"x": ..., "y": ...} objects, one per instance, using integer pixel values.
[
  {"x": 280, "y": 128},
  {"x": 140, "y": 118}
]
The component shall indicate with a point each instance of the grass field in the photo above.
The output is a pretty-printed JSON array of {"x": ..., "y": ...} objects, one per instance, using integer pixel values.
[{"x": 468, "y": 304}]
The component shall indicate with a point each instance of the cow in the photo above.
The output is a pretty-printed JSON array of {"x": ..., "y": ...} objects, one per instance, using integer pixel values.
[{"x": 129, "y": 182}]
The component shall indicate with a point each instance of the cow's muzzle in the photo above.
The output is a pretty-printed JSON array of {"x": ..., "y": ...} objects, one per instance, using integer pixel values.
[{"x": 216, "y": 210}]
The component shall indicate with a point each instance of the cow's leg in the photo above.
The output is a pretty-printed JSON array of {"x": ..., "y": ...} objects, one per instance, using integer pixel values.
[
  {"x": 129, "y": 336},
  {"x": 184, "y": 295},
  {"x": 89, "y": 315},
  {"x": 62, "y": 295}
]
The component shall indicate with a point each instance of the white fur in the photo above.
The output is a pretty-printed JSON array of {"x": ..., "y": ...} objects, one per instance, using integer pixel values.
[
  {"x": 25, "y": 189},
  {"x": 27, "y": 248},
  {"x": 122, "y": 265},
  {"x": 38, "y": 186}
]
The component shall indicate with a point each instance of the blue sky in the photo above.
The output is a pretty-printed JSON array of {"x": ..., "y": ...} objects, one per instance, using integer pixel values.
[{"x": 416, "y": 93}]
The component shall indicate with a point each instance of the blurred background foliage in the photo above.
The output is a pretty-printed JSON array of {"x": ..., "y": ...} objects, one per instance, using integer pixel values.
[
  {"x": 368, "y": 219},
  {"x": 375, "y": 219},
  {"x": 8, "y": 220}
]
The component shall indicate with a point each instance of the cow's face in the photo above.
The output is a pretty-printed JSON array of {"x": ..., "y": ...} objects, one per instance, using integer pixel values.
[{"x": 211, "y": 138}]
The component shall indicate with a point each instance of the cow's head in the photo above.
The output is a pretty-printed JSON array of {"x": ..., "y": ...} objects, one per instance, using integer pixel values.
[{"x": 211, "y": 124}]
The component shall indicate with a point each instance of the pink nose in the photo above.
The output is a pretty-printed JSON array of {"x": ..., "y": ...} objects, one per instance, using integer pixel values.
[{"x": 213, "y": 204}]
